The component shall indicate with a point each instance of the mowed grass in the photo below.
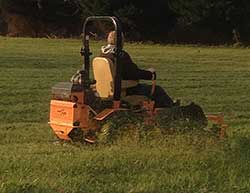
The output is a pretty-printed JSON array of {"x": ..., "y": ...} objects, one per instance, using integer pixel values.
[{"x": 217, "y": 78}]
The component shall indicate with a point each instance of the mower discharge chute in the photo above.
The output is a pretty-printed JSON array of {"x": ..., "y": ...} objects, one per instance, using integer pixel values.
[{"x": 78, "y": 108}]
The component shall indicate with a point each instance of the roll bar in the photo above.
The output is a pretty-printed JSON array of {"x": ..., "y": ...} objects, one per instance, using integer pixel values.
[{"x": 85, "y": 51}]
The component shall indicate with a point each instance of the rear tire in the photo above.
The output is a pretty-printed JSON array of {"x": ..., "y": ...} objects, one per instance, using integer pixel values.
[{"x": 76, "y": 135}]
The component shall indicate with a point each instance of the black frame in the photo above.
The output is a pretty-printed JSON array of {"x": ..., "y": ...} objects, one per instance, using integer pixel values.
[{"x": 118, "y": 48}]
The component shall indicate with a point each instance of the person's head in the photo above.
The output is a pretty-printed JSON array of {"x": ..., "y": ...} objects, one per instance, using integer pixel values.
[{"x": 112, "y": 38}]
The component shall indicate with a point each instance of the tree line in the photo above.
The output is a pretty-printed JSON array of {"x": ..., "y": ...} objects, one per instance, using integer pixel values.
[{"x": 175, "y": 21}]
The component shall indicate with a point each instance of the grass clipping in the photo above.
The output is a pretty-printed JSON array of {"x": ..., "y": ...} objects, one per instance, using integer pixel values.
[{"x": 134, "y": 126}]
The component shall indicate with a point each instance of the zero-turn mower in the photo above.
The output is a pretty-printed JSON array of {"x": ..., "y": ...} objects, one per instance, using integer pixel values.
[{"x": 79, "y": 108}]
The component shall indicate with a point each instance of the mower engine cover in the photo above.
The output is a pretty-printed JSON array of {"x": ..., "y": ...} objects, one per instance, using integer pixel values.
[{"x": 63, "y": 90}]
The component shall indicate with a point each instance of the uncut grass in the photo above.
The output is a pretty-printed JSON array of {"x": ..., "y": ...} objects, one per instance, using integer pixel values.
[{"x": 31, "y": 161}]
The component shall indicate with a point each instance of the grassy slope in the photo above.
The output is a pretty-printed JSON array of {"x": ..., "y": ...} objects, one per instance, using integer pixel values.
[{"x": 216, "y": 78}]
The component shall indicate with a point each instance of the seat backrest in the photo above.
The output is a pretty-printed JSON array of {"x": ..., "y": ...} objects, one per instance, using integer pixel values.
[{"x": 104, "y": 72}]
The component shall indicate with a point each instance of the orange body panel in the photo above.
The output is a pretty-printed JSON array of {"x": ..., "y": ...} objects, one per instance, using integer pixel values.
[
  {"x": 77, "y": 97},
  {"x": 151, "y": 111},
  {"x": 218, "y": 119},
  {"x": 65, "y": 116},
  {"x": 105, "y": 113}
]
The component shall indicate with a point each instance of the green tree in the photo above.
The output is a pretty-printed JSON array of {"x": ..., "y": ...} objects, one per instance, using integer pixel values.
[{"x": 225, "y": 16}]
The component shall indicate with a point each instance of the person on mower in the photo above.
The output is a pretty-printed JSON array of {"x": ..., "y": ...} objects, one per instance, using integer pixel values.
[{"x": 130, "y": 71}]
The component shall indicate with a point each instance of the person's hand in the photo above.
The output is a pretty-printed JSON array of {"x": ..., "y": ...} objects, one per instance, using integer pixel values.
[{"x": 152, "y": 70}]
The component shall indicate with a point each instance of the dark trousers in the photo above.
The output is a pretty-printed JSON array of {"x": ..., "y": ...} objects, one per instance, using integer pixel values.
[{"x": 160, "y": 97}]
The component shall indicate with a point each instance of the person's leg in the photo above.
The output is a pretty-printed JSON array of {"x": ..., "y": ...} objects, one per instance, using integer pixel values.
[
  {"x": 160, "y": 96},
  {"x": 140, "y": 89}
]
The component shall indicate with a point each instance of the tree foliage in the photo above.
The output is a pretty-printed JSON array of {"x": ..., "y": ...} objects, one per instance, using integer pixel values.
[
  {"x": 151, "y": 20},
  {"x": 226, "y": 16}
]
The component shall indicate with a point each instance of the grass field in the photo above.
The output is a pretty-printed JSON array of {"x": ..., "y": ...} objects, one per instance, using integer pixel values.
[{"x": 217, "y": 78}]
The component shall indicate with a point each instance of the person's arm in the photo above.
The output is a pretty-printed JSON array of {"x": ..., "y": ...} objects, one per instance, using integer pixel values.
[
  {"x": 146, "y": 75},
  {"x": 131, "y": 70}
]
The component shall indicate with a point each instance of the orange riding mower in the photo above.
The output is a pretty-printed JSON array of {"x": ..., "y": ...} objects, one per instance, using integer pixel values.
[{"x": 79, "y": 108}]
